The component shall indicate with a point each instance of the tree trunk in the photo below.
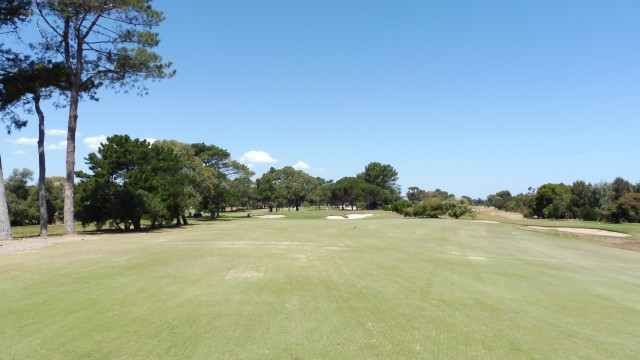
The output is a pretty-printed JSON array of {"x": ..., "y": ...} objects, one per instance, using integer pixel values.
[
  {"x": 184, "y": 219},
  {"x": 69, "y": 211},
  {"x": 42, "y": 193},
  {"x": 178, "y": 220},
  {"x": 5, "y": 222}
]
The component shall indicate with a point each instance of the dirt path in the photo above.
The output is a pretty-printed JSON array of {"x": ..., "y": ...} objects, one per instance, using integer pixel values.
[{"x": 32, "y": 244}]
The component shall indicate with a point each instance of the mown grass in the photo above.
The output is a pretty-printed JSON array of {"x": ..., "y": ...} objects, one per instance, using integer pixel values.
[{"x": 309, "y": 288}]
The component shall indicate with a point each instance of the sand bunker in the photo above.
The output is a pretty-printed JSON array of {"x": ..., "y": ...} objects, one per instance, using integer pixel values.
[
  {"x": 485, "y": 221},
  {"x": 348, "y": 216},
  {"x": 581, "y": 231},
  {"x": 271, "y": 216}
]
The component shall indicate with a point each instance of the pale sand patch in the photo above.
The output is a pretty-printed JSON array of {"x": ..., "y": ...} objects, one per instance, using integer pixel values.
[
  {"x": 348, "y": 216},
  {"x": 271, "y": 216},
  {"x": 33, "y": 244},
  {"x": 581, "y": 231},
  {"x": 485, "y": 221}
]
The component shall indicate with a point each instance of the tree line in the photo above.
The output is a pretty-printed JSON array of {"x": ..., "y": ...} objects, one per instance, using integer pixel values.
[
  {"x": 616, "y": 201},
  {"x": 131, "y": 181}
]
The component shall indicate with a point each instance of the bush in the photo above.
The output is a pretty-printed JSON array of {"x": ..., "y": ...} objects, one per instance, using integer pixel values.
[
  {"x": 591, "y": 214},
  {"x": 458, "y": 208}
]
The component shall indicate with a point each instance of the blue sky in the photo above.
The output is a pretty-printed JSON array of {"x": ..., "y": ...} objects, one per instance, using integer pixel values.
[{"x": 471, "y": 97}]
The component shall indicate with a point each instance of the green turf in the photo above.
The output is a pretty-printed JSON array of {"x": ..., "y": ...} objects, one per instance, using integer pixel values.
[{"x": 308, "y": 288}]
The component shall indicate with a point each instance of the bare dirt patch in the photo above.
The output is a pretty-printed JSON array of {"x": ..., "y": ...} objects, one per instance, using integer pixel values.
[
  {"x": 580, "y": 231},
  {"x": 33, "y": 244},
  {"x": 348, "y": 216},
  {"x": 491, "y": 211},
  {"x": 271, "y": 216},
  {"x": 628, "y": 245}
]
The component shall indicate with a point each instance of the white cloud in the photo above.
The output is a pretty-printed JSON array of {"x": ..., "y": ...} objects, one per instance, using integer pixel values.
[
  {"x": 94, "y": 142},
  {"x": 59, "y": 146},
  {"x": 56, "y": 132},
  {"x": 301, "y": 165},
  {"x": 257, "y": 157},
  {"x": 19, "y": 152},
  {"x": 25, "y": 141},
  {"x": 151, "y": 140}
]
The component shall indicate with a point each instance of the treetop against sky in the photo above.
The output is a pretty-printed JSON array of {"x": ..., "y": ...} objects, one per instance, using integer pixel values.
[{"x": 469, "y": 97}]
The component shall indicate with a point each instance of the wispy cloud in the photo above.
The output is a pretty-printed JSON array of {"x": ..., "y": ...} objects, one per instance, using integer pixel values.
[
  {"x": 56, "y": 132},
  {"x": 19, "y": 152},
  {"x": 59, "y": 146},
  {"x": 257, "y": 157},
  {"x": 94, "y": 142},
  {"x": 301, "y": 165},
  {"x": 25, "y": 141}
]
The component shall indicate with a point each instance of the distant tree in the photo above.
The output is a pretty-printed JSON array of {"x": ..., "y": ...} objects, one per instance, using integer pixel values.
[
  {"x": 620, "y": 187},
  {"x": 583, "y": 201},
  {"x": 381, "y": 175},
  {"x": 99, "y": 42},
  {"x": 415, "y": 194},
  {"x": 500, "y": 199},
  {"x": 552, "y": 201},
  {"x": 131, "y": 180},
  {"x": 602, "y": 197},
  {"x": 626, "y": 209},
  {"x": 296, "y": 185},
  {"x": 19, "y": 197},
  {"x": 266, "y": 189},
  {"x": 348, "y": 191},
  {"x": 322, "y": 193}
]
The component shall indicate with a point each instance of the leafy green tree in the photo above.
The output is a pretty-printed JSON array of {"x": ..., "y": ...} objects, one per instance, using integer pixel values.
[
  {"x": 626, "y": 209},
  {"x": 620, "y": 187},
  {"x": 348, "y": 190},
  {"x": 500, "y": 199},
  {"x": 603, "y": 197},
  {"x": 31, "y": 82},
  {"x": 415, "y": 194},
  {"x": 100, "y": 43},
  {"x": 553, "y": 201},
  {"x": 12, "y": 12},
  {"x": 266, "y": 190},
  {"x": 321, "y": 194},
  {"x": 381, "y": 175},
  {"x": 130, "y": 180}
]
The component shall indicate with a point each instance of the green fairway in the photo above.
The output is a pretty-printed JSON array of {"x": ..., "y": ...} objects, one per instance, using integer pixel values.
[{"x": 304, "y": 287}]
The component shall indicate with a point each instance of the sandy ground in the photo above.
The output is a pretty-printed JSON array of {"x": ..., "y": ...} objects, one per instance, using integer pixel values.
[
  {"x": 271, "y": 216},
  {"x": 581, "y": 231},
  {"x": 348, "y": 216},
  {"x": 495, "y": 212},
  {"x": 485, "y": 221},
  {"x": 32, "y": 244}
]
